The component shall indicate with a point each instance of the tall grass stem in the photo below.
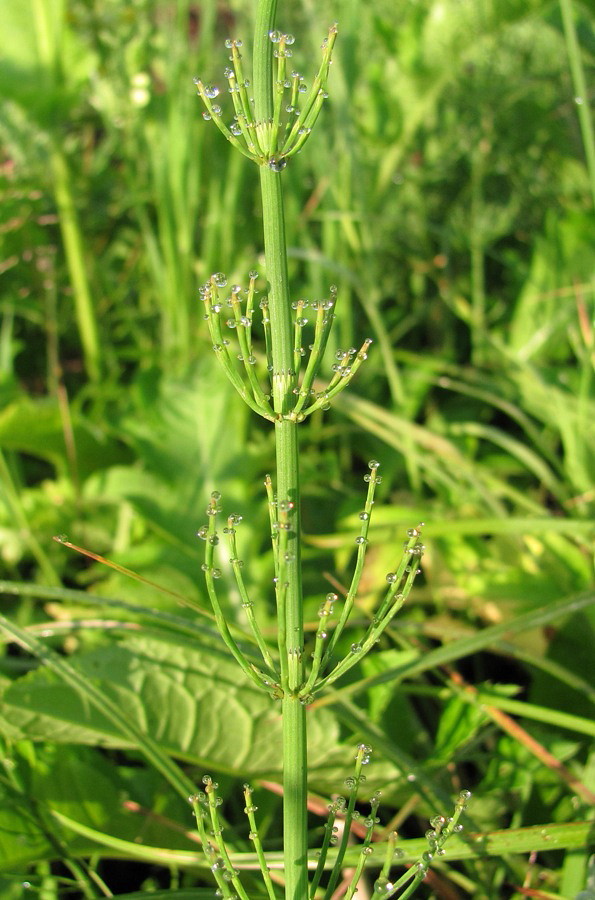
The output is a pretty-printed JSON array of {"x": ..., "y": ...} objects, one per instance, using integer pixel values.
[
  {"x": 580, "y": 89},
  {"x": 75, "y": 260}
]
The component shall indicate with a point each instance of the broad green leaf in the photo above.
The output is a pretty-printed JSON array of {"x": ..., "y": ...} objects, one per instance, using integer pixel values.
[
  {"x": 195, "y": 425},
  {"x": 35, "y": 426},
  {"x": 459, "y": 723},
  {"x": 189, "y": 698},
  {"x": 21, "y": 837}
]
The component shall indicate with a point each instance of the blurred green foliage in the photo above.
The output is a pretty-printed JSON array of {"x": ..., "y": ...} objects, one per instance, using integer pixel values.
[{"x": 448, "y": 196}]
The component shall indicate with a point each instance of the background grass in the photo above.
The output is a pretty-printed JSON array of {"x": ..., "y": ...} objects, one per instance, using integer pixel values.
[{"x": 447, "y": 194}]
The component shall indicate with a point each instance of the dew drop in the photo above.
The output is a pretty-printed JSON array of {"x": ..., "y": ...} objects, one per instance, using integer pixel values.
[{"x": 382, "y": 886}]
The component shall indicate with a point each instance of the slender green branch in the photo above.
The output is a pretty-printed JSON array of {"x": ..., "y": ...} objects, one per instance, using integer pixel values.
[
  {"x": 247, "y": 604},
  {"x": 336, "y": 807},
  {"x": 362, "y": 542},
  {"x": 254, "y": 836},
  {"x": 353, "y": 782},
  {"x": 209, "y": 534},
  {"x": 216, "y": 864},
  {"x": 224, "y": 863},
  {"x": 367, "y": 849}
]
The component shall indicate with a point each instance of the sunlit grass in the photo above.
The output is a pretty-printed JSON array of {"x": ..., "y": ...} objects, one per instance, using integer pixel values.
[{"x": 449, "y": 198}]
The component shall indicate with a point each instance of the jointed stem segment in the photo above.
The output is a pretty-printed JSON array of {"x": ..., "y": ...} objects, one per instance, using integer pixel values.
[
  {"x": 270, "y": 129},
  {"x": 288, "y": 676},
  {"x": 293, "y": 395}
]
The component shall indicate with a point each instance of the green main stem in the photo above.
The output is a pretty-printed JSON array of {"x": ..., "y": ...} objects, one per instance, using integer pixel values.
[{"x": 295, "y": 844}]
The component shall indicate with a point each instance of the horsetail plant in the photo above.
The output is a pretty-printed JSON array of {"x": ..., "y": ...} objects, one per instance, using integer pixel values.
[{"x": 273, "y": 118}]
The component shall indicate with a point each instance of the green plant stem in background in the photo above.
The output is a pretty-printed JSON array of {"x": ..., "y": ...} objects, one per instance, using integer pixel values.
[
  {"x": 295, "y": 841},
  {"x": 48, "y": 24},
  {"x": 75, "y": 260},
  {"x": 580, "y": 89}
]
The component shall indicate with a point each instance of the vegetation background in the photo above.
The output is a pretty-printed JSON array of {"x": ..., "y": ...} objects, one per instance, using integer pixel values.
[{"x": 447, "y": 195}]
